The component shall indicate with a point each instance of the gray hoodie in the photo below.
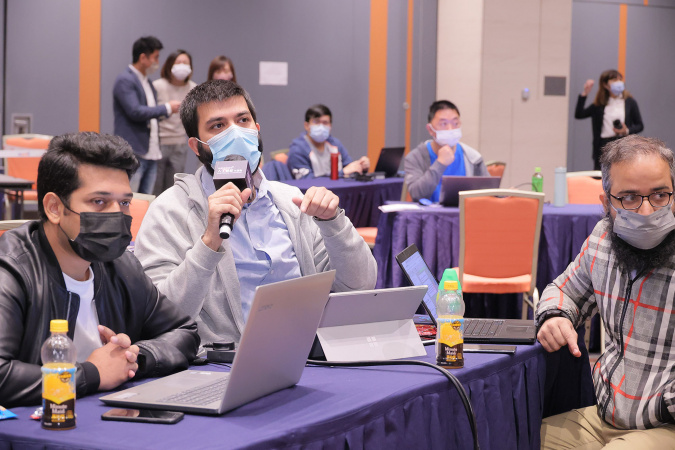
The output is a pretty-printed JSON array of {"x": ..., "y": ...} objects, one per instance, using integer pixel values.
[
  {"x": 422, "y": 177},
  {"x": 205, "y": 284}
]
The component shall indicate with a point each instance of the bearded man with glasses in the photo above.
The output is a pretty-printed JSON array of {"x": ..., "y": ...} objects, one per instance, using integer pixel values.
[{"x": 626, "y": 272}]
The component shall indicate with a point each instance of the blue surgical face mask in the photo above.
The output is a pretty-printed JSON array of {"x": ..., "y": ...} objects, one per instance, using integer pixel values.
[
  {"x": 319, "y": 132},
  {"x": 617, "y": 88},
  {"x": 235, "y": 140}
]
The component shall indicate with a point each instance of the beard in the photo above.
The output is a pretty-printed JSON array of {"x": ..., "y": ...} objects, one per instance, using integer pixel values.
[
  {"x": 205, "y": 156},
  {"x": 631, "y": 258}
]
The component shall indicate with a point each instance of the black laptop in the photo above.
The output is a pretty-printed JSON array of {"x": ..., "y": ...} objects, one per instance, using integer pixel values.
[
  {"x": 451, "y": 185},
  {"x": 492, "y": 331},
  {"x": 389, "y": 161}
]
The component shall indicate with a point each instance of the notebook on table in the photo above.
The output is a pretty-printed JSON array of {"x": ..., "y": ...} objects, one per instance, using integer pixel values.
[
  {"x": 451, "y": 185},
  {"x": 494, "y": 331},
  {"x": 271, "y": 356}
]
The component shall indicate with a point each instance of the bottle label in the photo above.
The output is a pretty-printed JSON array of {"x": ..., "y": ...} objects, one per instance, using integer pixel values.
[
  {"x": 450, "y": 342},
  {"x": 58, "y": 396}
]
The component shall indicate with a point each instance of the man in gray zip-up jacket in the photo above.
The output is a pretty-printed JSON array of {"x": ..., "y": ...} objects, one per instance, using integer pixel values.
[
  {"x": 442, "y": 155},
  {"x": 213, "y": 279},
  {"x": 626, "y": 272}
]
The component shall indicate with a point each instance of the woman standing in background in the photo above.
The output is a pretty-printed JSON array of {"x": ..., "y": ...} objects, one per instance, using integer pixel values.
[
  {"x": 174, "y": 84},
  {"x": 614, "y": 112},
  {"x": 221, "y": 68}
]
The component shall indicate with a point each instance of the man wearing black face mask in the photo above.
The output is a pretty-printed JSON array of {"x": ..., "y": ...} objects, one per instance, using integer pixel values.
[
  {"x": 626, "y": 272},
  {"x": 279, "y": 235},
  {"x": 72, "y": 265}
]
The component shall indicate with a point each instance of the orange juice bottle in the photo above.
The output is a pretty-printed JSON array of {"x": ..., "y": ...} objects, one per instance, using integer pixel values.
[{"x": 58, "y": 378}]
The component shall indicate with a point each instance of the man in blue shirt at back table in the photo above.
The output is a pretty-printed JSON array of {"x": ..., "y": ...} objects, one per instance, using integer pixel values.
[
  {"x": 441, "y": 155},
  {"x": 309, "y": 153}
]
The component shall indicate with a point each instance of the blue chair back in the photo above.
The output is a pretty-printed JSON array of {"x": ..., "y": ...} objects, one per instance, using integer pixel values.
[{"x": 276, "y": 171}]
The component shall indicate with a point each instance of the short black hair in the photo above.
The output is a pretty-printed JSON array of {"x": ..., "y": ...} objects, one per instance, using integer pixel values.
[
  {"x": 316, "y": 111},
  {"x": 145, "y": 46},
  {"x": 207, "y": 92},
  {"x": 438, "y": 105},
  {"x": 58, "y": 170}
]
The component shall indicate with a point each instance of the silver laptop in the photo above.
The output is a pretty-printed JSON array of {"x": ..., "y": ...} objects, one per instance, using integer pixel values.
[
  {"x": 478, "y": 331},
  {"x": 284, "y": 315},
  {"x": 371, "y": 325},
  {"x": 451, "y": 185}
]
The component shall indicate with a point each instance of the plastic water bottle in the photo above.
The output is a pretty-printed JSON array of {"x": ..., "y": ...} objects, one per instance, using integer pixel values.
[
  {"x": 58, "y": 378},
  {"x": 450, "y": 327},
  {"x": 537, "y": 180},
  {"x": 334, "y": 159}
]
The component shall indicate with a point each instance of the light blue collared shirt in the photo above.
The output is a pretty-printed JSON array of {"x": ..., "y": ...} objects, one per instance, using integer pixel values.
[{"x": 261, "y": 246}]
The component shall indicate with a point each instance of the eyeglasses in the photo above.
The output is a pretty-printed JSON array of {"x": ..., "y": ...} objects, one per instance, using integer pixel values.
[{"x": 634, "y": 201}]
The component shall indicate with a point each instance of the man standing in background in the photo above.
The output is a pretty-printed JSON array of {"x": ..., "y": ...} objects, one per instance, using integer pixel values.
[{"x": 136, "y": 111}]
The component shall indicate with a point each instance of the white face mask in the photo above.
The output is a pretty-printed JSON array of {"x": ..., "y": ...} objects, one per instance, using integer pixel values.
[
  {"x": 448, "y": 137},
  {"x": 152, "y": 69},
  {"x": 644, "y": 232},
  {"x": 181, "y": 71}
]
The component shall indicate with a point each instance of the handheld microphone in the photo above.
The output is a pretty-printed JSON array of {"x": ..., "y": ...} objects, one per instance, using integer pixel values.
[{"x": 234, "y": 169}]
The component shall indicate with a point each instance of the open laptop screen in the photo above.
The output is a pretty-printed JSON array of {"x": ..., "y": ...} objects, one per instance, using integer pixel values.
[
  {"x": 390, "y": 161},
  {"x": 417, "y": 272}
]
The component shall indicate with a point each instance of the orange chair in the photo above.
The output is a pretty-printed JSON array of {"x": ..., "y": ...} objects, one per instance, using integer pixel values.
[
  {"x": 584, "y": 187},
  {"x": 139, "y": 206},
  {"x": 281, "y": 155},
  {"x": 6, "y": 225},
  {"x": 499, "y": 242},
  {"x": 24, "y": 167},
  {"x": 495, "y": 168}
]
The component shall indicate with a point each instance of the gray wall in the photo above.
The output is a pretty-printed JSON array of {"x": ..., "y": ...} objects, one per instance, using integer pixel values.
[
  {"x": 326, "y": 44},
  {"x": 650, "y": 63},
  {"x": 42, "y": 63}
]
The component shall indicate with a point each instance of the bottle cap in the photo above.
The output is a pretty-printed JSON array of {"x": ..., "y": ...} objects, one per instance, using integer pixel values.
[
  {"x": 58, "y": 326},
  {"x": 450, "y": 285},
  {"x": 537, "y": 169}
]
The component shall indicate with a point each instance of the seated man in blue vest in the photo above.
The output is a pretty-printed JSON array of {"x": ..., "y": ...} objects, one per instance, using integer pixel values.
[
  {"x": 442, "y": 155},
  {"x": 309, "y": 153}
]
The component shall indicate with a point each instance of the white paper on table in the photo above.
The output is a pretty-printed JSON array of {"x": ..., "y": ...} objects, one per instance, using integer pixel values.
[
  {"x": 274, "y": 73},
  {"x": 398, "y": 207}
]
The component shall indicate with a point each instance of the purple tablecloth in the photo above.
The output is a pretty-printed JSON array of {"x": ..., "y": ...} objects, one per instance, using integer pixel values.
[
  {"x": 337, "y": 408},
  {"x": 359, "y": 199},
  {"x": 435, "y": 231}
]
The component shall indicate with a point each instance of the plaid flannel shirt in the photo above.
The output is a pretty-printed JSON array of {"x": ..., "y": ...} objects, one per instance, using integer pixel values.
[{"x": 635, "y": 378}]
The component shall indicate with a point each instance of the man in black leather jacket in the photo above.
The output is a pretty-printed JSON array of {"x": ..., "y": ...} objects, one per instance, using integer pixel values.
[{"x": 122, "y": 326}]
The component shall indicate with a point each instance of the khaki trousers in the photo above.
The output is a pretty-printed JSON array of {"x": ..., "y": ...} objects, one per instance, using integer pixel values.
[{"x": 583, "y": 429}]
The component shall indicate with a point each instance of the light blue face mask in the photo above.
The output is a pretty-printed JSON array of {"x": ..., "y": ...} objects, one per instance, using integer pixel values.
[
  {"x": 235, "y": 141},
  {"x": 319, "y": 132},
  {"x": 617, "y": 88}
]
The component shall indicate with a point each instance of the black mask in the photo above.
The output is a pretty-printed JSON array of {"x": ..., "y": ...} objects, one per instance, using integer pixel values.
[{"x": 103, "y": 236}]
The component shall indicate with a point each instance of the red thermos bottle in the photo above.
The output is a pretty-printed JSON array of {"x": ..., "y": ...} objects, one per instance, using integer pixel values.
[{"x": 334, "y": 158}]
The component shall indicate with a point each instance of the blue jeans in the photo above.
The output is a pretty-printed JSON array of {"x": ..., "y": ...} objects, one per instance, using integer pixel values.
[{"x": 143, "y": 181}]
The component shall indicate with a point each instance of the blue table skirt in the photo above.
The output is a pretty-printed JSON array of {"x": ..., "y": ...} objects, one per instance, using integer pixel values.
[
  {"x": 360, "y": 200},
  {"x": 338, "y": 408}
]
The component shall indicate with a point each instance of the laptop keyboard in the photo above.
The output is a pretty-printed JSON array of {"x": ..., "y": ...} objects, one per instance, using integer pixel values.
[
  {"x": 482, "y": 327},
  {"x": 202, "y": 395}
]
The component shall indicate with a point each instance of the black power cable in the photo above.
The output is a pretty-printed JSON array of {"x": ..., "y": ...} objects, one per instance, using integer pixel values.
[{"x": 448, "y": 375}]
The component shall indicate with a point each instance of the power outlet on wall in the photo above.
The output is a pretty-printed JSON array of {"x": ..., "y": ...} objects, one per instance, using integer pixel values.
[{"x": 21, "y": 123}]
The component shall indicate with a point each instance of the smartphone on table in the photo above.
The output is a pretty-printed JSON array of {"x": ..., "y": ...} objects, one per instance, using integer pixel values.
[{"x": 142, "y": 415}]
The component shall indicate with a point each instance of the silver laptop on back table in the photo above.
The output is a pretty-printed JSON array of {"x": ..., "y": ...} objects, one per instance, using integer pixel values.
[{"x": 271, "y": 355}]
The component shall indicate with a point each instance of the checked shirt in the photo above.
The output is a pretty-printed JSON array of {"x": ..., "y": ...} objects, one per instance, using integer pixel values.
[{"x": 636, "y": 374}]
